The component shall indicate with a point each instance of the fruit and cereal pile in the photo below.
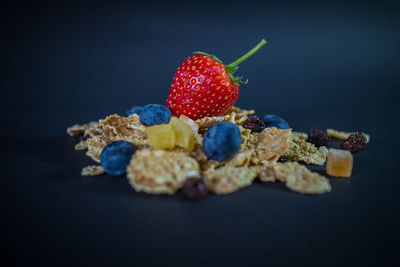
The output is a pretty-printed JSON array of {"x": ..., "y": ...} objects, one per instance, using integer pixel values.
[{"x": 200, "y": 142}]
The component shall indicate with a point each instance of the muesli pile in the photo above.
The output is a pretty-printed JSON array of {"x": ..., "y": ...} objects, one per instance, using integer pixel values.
[{"x": 200, "y": 142}]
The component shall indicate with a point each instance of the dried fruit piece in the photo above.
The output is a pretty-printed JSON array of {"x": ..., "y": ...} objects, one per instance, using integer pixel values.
[
  {"x": 284, "y": 158},
  {"x": 160, "y": 171},
  {"x": 272, "y": 143},
  {"x": 195, "y": 188},
  {"x": 184, "y": 136},
  {"x": 355, "y": 142},
  {"x": 161, "y": 136},
  {"x": 343, "y": 135},
  {"x": 190, "y": 122},
  {"x": 300, "y": 179},
  {"x": 340, "y": 163},
  {"x": 254, "y": 124},
  {"x": 92, "y": 170},
  {"x": 228, "y": 179},
  {"x": 318, "y": 138}
]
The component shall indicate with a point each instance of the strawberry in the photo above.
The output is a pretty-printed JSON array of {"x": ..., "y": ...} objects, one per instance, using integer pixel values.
[{"x": 204, "y": 87}]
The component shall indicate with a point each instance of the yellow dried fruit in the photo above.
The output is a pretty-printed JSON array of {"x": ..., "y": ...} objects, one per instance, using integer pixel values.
[
  {"x": 161, "y": 136},
  {"x": 340, "y": 163},
  {"x": 184, "y": 135}
]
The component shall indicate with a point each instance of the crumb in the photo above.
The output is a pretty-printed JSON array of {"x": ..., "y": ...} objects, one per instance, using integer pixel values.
[{"x": 92, "y": 170}]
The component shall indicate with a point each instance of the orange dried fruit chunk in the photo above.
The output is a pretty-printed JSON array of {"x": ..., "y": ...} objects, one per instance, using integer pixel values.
[
  {"x": 340, "y": 163},
  {"x": 184, "y": 135},
  {"x": 161, "y": 136}
]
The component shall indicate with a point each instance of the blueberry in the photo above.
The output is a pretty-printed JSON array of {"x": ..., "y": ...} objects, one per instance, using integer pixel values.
[
  {"x": 153, "y": 114},
  {"x": 274, "y": 121},
  {"x": 133, "y": 110},
  {"x": 221, "y": 141},
  {"x": 115, "y": 157}
]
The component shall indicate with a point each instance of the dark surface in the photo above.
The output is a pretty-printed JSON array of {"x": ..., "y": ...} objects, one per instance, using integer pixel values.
[{"x": 326, "y": 65}]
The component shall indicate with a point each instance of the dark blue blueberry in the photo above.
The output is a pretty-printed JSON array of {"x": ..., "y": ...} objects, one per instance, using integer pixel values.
[
  {"x": 274, "y": 121},
  {"x": 221, "y": 141},
  {"x": 133, "y": 110},
  {"x": 153, "y": 114},
  {"x": 115, "y": 157}
]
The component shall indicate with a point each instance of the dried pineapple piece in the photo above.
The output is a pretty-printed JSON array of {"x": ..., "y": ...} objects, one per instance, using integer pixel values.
[
  {"x": 161, "y": 136},
  {"x": 184, "y": 135}
]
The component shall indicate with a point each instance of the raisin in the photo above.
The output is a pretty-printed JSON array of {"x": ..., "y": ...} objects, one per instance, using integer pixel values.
[
  {"x": 254, "y": 124},
  {"x": 195, "y": 188},
  {"x": 355, "y": 142},
  {"x": 318, "y": 138},
  {"x": 283, "y": 159},
  {"x": 85, "y": 137}
]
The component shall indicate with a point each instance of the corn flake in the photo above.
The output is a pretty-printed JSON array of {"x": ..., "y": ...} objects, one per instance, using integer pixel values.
[
  {"x": 228, "y": 179},
  {"x": 82, "y": 129},
  {"x": 297, "y": 136},
  {"x": 272, "y": 143},
  {"x": 159, "y": 171},
  {"x": 307, "y": 152},
  {"x": 300, "y": 179},
  {"x": 234, "y": 115}
]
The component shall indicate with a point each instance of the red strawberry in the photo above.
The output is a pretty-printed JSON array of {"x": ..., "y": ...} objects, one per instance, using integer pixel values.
[{"x": 204, "y": 87}]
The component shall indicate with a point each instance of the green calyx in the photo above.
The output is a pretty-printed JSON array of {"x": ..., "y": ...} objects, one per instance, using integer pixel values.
[{"x": 234, "y": 66}]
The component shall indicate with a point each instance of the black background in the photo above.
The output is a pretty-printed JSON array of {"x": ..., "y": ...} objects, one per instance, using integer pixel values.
[{"x": 326, "y": 65}]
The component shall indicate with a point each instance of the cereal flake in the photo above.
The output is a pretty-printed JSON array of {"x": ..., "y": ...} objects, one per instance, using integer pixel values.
[
  {"x": 159, "y": 171},
  {"x": 92, "y": 170},
  {"x": 307, "y": 152},
  {"x": 81, "y": 129},
  {"x": 300, "y": 179},
  {"x": 228, "y": 179},
  {"x": 272, "y": 143}
]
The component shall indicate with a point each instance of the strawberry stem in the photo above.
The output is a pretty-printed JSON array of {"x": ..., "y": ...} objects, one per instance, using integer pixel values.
[{"x": 234, "y": 64}]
